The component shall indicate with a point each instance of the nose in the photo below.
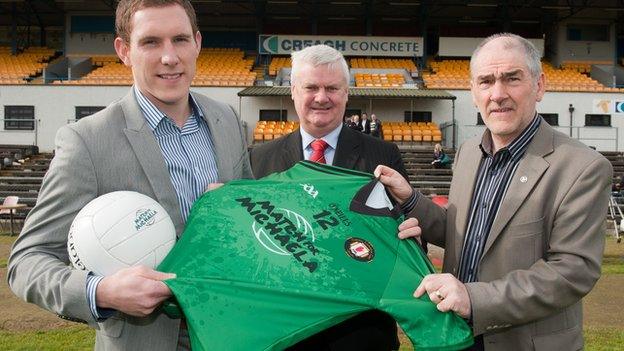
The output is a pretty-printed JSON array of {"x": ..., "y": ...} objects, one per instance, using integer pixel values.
[
  {"x": 321, "y": 96},
  {"x": 498, "y": 92},
  {"x": 170, "y": 55}
]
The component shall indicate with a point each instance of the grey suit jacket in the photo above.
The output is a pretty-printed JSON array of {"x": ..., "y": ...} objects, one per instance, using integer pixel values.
[
  {"x": 544, "y": 251},
  {"x": 112, "y": 150}
]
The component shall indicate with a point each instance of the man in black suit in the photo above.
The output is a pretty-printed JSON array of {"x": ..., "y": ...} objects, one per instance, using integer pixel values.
[{"x": 320, "y": 81}]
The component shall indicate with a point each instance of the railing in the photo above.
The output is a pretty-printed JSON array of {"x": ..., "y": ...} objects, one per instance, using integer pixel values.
[
  {"x": 614, "y": 211},
  {"x": 584, "y": 134}
]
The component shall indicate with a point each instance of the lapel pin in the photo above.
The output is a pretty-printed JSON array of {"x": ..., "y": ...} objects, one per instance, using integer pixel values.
[{"x": 523, "y": 179}]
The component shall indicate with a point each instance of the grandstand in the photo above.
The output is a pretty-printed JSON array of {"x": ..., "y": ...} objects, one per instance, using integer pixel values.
[
  {"x": 572, "y": 77},
  {"x": 18, "y": 69},
  {"x": 406, "y": 86}
]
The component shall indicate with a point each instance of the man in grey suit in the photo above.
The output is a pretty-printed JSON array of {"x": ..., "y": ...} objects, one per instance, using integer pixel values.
[
  {"x": 524, "y": 230},
  {"x": 159, "y": 140}
]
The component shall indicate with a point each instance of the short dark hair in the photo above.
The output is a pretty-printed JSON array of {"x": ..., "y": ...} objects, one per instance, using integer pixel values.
[{"x": 127, "y": 8}]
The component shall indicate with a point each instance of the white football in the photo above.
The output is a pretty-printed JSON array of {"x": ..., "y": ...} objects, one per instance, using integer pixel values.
[{"x": 118, "y": 230}]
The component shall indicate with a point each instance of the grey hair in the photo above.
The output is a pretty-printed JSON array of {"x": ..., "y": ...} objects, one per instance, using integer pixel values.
[
  {"x": 532, "y": 55},
  {"x": 318, "y": 55}
]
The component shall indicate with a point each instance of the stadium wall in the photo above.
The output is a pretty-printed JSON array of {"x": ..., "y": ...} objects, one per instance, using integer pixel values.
[{"x": 55, "y": 107}]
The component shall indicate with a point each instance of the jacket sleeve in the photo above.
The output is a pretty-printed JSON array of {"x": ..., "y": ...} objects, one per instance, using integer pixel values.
[
  {"x": 569, "y": 267},
  {"x": 38, "y": 269}
]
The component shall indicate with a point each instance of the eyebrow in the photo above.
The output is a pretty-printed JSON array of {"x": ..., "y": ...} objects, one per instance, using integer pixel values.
[
  {"x": 155, "y": 37},
  {"x": 503, "y": 75}
]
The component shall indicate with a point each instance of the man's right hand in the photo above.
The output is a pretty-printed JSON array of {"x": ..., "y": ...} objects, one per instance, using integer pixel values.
[
  {"x": 394, "y": 182},
  {"x": 136, "y": 291}
]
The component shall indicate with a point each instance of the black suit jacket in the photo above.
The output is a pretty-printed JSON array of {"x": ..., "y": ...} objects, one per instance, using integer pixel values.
[
  {"x": 372, "y": 330},
  {"x": 354, "y": 150}
]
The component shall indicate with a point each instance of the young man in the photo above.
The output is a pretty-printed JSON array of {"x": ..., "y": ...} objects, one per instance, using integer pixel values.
[
  {"x": 147, "y": 142},
  {"x": 523, "y": 233},
  {"x": 320, "y": 80}
]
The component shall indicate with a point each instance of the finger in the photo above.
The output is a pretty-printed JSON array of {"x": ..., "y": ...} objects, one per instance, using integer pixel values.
[
  {"x": 423, "y": 287},
  {"x": 414, "y": 232},
  {"x": 381, "y": 170},
  {"x": 445, "y": 305},
  {"x": 156, "y": 275},
  {"x": 408, "y": 223}
]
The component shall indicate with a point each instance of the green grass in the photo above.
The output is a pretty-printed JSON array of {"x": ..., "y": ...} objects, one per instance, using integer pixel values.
[
  {"x": 73, "y": 338},
  {"x": 603, "y": 339},
  {"x": 3, "y": 262},
  {"x": 613, "y": 265}
]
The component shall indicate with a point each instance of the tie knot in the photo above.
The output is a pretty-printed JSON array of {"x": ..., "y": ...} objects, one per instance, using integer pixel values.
[{"x": 318, "y": 145}]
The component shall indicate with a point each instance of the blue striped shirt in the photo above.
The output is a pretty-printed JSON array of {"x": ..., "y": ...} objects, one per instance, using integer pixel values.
[
  {"x": 188, "y": 151},
  {"x": 191, "y": 161},
  {"x": 493, "y": 179}
]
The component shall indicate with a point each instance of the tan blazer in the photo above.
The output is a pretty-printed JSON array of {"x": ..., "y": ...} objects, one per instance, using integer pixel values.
[
  {"x": 112, "y": 150},
  {"x": 544, "y": 251}
]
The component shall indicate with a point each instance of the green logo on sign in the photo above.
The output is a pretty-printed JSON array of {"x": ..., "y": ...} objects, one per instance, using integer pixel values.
[{"x": 268, "y": 44}]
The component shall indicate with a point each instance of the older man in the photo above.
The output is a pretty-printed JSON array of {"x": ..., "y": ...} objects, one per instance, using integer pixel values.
[
  {"x": 147, "y": 142},
  {"x": 320, "y": 81},
  {"x": 523, "y": 232}
]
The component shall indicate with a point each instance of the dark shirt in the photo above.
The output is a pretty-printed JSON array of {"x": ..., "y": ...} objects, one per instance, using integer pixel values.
[{"x": 493, "y": 178}]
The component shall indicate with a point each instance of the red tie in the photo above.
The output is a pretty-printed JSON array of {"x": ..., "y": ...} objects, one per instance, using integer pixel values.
[{"x": 318, "y": 151}]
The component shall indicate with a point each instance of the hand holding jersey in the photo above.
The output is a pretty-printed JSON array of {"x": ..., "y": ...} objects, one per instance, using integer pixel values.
[
  {"x": 448, "y": 293},
  {"x": 142, "y": 290}
]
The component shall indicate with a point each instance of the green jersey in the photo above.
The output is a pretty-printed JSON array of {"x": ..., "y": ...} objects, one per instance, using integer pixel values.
[{"x": 266, "y": 263}]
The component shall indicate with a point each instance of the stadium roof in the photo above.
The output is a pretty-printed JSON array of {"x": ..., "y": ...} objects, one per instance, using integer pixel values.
[{"x": 398, "y": 93}]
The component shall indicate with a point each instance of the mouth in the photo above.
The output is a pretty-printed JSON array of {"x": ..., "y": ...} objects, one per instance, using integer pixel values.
[
  {"x": 170, "y": 76},
  {"x": 322, "y": 109},
  {"x": 501, "y": 110}
]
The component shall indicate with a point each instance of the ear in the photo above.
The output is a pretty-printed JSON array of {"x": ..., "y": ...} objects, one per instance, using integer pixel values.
[
  {"x": 472, "y": 93},
  {"x": 541, "y": 87},
  {"x": 123, "y": 51},
  {"x": 292, "y": 90},
  {"x": 198, "y": 41}
]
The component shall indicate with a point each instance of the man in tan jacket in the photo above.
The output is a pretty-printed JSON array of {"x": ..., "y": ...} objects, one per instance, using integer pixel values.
[{"x": 524, "y": 230}]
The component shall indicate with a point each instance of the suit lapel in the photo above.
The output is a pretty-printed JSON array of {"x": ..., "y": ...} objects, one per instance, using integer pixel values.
[
  {"x": 526, "y": 177},
  {"x": 291, "y": 150},
  {"x": 150, "y": 157},
  {"x": 470, "y": 160},
  {"x": 213, "y": 118},
  {"x": 347, "y": 153}
]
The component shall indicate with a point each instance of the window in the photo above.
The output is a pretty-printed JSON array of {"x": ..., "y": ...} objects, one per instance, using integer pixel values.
[
  {"x": 596, "y": 120},
  {"x": 587, "y": 32},
  {"x": 480, "y": 119},
  {"x": 417, "y": 116},
  {"x": 273, "y": 115},
  {"x": 19, "y": 117},
  {"x": 551, "y": 118},
  {"x": 84, "y": 111}
]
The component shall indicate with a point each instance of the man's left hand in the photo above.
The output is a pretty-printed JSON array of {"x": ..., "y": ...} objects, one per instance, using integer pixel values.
[{"x": 448, "y": 293}]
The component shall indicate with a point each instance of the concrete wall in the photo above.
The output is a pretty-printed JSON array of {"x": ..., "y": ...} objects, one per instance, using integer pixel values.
[
  {"x": 55, "y": 105},
  {"x": 565, "y": 50}
]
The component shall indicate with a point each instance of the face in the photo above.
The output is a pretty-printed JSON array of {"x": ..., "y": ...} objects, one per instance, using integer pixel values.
[
  {"x": 320, "y": 95},
  {"x": 504, "y": 91},
  {"x": 162, "y": 53}
]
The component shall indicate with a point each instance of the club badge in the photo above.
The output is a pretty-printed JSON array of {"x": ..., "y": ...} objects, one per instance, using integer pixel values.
[{"x": 359, "y": 249}]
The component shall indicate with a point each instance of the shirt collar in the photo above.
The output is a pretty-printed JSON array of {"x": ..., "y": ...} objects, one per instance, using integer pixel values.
[
  {"x": 517, "y": 145},
  {"x": 154, "y": 116},
  {"x": 331, "y": 138}
]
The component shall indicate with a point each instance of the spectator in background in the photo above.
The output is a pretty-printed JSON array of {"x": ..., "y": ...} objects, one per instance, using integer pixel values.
[
  {"x": 375, "y": 126},
  {"x": 365, "y": 124},
  {"x": 440, "y": 159},
  {"x": 355, "y": 123}
]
